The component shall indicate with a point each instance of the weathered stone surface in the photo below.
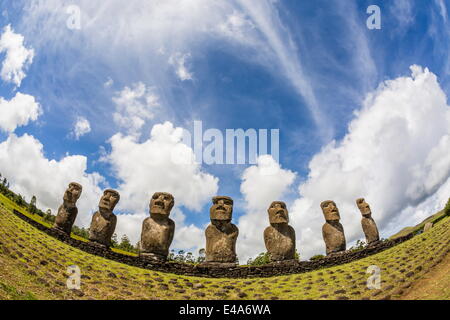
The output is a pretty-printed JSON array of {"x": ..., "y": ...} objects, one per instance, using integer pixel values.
[
  {"x": 332, "y": 230},
  {"x": 427, "y": 226},
  {"x": 104, "y": 221},
  {"x": 221, "y": 234},
  {"x": 368, "y": 224},
  {"x": 67, "y": 212},
  {"x": 279, "y": 237},
  {"x": 158, "y": 229}
]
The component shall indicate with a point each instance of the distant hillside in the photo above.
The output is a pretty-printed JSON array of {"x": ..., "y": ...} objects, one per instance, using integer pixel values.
[
  {"x": 419, "y": 227},
  {"x": 34, "y": 266}
]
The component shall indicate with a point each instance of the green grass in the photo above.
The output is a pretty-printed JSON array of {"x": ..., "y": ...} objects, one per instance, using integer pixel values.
[{"x": 34, "y": 265}]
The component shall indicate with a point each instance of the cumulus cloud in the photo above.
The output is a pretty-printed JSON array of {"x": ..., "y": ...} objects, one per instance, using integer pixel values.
[
  {"x": 23, "y": 162},
  {"x": 134, "y": 106},
  {"x": 261, "y": 184},
  {"x": 395, "y": 154},
  {"x": 156, "y": 166},
  {"x": 178, "y": 61},
  {"x": 18, "y": 57},
  {"x": 81, "y": 127},
  {"x": 18, "y": 111}
]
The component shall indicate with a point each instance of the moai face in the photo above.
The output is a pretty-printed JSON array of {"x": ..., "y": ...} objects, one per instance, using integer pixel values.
[
  {"x": 278, "y": 212},
  {"x": 222, "y": 208},
  {"x": 161, "y": 204},
  {"x": 330, "y": 210},
  {"x": 109, "y": 200},
  {"x": 364, "y": 207},
  {"x": 72, "y": 193}
]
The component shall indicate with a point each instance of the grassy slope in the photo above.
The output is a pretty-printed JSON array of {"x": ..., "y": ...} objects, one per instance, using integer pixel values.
[
  {"x": 408, "y": 230},
  {"x": 434, "y": 285},
  {"x": 33, "y": 266},
  {"x": 10, "y": 205}
]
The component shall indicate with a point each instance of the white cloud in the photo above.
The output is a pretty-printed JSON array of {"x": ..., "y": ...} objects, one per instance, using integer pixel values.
[
  {"x": 81, "y": 127},
  {"x": 178, "y": 61},
  {"x": 238, "y": 27},
  {"x": 18, "y": 111},
  {"x": 23, "y": 162},
  {"x": 261, "y": 184},
  {"x": 151, "y": 166},
  {"x": 134, "y": 106},
  {"x": 142, "y": 29},
  {"x": 442, "y": 9},
  {"x": 18, "y": 57},
  {"x": 395, "y": 154}
]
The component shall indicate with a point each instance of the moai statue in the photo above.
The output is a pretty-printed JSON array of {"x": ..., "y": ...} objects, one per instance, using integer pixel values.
[
  {"x": 68, "y": 211},
  {"x": 158, "y": 229},
  {"x": 280, "y": 236},
  {"x": 221, "y": 234},
  {"x": 332, "y": 230},
  {"x": 368, "y": 224},
  {"x": 104, "y": 220}
]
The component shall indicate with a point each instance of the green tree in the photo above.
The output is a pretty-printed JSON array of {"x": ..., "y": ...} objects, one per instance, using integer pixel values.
[
  {"x": 48, "y": 216},
  {"x": 114, "y": 242},
  {"x": 262, "y": 258},
  {"x": 201, "y": 255},
  {"x": 32, "y": 207},
  {"x": 125, "y": 244}
]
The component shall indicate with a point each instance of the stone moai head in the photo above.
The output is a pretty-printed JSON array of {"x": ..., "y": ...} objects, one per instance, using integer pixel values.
[
  {"x": 161, "y": 204},
  {"x": 108, "y": 201},
  {"x": 222, "y": 208},
  {"x": 72, "y": 194},
  {"x": 330, "y": 211},
  {"x": 278, "y": 213},
  {"x": 364, "y": 207}
]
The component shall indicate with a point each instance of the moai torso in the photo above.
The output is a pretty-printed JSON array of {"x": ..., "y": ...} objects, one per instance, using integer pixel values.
[
  {"x": 102, "y": 228},
  {"x": 368, "y": 224},
  {"x": 67, "y": 212},
  {"x": 332, "y": 230},
  {"x": 104, "y": 221},
  {"x": 157, "y": 236},
  {"x": 221, "y": 243},
  {"x": 280, "y": 242},
  {"x": 334, "y": 237},
  {"x": 279, "y": 237},
  {"x": 65, "y": 218},
  {"x": 158, "y": 230},
  {"x": 370, "y": 230}
]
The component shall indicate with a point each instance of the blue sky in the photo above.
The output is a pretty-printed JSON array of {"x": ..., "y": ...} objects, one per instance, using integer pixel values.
[{"x": 303, "y": 67}]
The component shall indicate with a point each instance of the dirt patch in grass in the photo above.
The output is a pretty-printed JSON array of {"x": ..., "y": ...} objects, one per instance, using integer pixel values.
[{"x": 434, "y": 285}]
